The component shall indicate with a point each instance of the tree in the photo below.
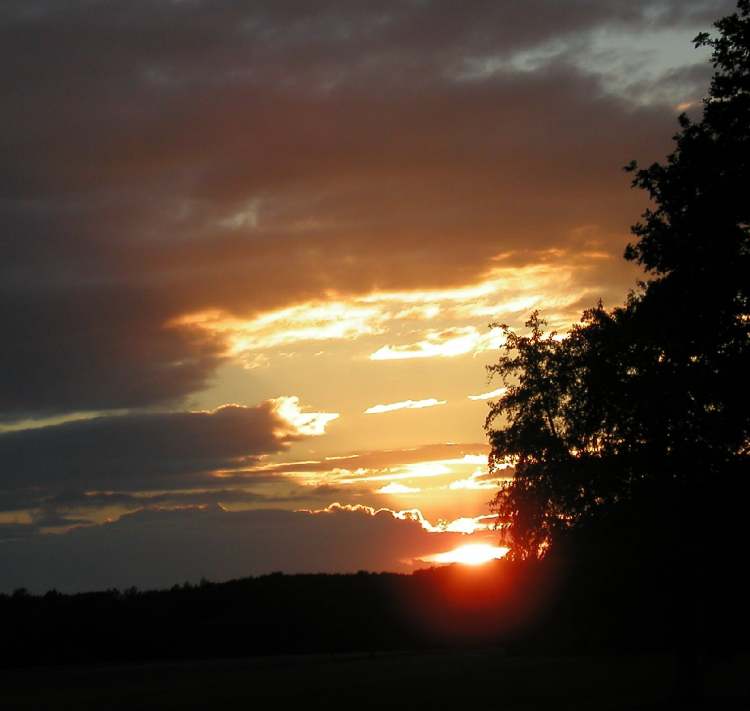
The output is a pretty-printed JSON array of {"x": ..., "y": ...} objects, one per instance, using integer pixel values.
[
  {"x": 643, "y": 410},
  {"x": 572, "y": 428}
]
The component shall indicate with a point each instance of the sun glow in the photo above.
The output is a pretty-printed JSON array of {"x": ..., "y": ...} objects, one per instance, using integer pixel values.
[{"x": 470, "y": 554}]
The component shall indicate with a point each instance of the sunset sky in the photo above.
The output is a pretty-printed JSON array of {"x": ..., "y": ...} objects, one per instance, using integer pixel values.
[{"x": 251, "y": 252}]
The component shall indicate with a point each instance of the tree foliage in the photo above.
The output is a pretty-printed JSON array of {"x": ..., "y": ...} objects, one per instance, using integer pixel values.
[{"x": 644, "y": 408}]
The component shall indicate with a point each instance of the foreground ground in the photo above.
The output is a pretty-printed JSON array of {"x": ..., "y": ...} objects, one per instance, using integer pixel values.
[{"x": 437, "y": 680}]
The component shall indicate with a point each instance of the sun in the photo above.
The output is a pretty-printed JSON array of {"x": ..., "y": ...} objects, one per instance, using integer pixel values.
[{"x": 470, "y": 554}]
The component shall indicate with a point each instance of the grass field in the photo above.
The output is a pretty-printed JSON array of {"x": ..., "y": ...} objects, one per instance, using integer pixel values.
[{"x": 438, "y": 680}]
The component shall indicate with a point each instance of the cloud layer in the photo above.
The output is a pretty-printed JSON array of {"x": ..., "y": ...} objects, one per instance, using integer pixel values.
[
  {"x": 164, "y": 159},
  {"x": 158, "y": 548},
  {"x": 148, "y": 452}
]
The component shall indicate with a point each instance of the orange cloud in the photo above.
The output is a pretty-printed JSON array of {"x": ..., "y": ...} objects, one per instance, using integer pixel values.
[
  {"x": 476, "y": 481},
  {"x": 308, "y": 321},
  {"x": 309, "y": 424},
  {"x": 416, "y": 470},
  {"x": 501, "y": 292},
  {"x": 396, "y": 488},
  {"x": 447, "y": 343}
]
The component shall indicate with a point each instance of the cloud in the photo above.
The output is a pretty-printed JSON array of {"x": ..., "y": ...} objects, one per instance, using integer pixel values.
[
  {"x": 503, "y": 291},
  {"x": 171, "y": 499},
  {"x": 499, "y": 392},
  {"x": 396, "y": 488},
  {"x": 88, "y": 347},
  {"x": 312, "y": 321},
  {"x": 308, "y": 424},
  {"x": 447, "y": 344},
  {"x": 158, "y": 548},
  {"x": 151, "y": 451},
  {"x": 471, "y": 524},
  {"x": 471, "y": 453},
  {"x": 416, "y": 470},
  {"x": 404, "y": 405},
  {"x": 479, "y": 479},
  {"x": 250, "y": 159},
  {"x": 461, "y": 525}
]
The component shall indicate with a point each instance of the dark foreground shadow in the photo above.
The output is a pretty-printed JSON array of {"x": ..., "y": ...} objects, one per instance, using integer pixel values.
[{"x": 486, "y": 679}]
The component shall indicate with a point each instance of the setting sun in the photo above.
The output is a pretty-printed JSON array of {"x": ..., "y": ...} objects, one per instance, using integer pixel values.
[{"x": 470, "y": 554}]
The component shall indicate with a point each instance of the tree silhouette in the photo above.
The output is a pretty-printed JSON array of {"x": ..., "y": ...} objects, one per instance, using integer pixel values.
[
  {"x": 631, "y": 436},
  {"x": 644, "y": 408}
]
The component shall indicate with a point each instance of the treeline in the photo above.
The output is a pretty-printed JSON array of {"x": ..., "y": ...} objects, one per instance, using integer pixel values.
[
  {"x": 590, "y": 601},
  {"x": 271, "y": 614}
]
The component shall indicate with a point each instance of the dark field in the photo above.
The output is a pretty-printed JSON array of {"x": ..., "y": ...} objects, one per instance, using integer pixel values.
[
  {"x": 504, "y": 636},
  {"x": 471, "y": 679}
]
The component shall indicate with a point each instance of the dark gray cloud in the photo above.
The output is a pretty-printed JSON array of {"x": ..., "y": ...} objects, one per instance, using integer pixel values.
[
  {"x": 162, "y": 158},
  {"x": 51, "y": 518},
  {"x": 157, "y": 548},
  {"x": 172, "y": 499},
  {"x": 79, "y": 500},
  {"x": 64, "y": 473},
  {"x": 140, "y": 451},
  {"x": 16, "y": 531},
  {"x": 90, "y": 347}
]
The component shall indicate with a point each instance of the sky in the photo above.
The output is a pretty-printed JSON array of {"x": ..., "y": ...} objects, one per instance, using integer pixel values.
[{"x": 252, "y": 252}]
